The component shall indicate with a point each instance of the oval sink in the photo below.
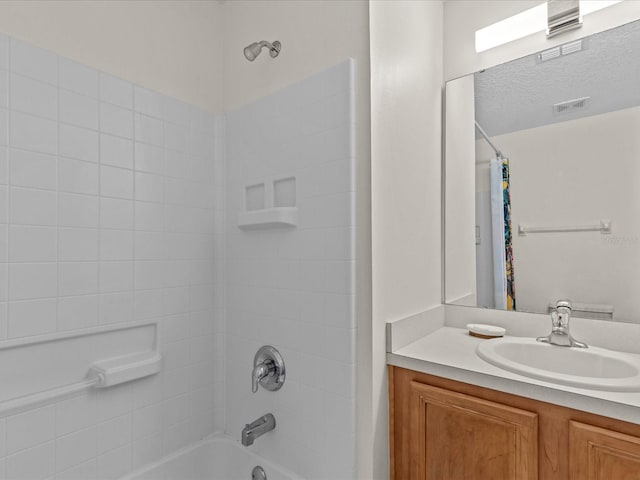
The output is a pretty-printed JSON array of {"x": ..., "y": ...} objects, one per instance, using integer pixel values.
[{"x": 592, "y": 368}]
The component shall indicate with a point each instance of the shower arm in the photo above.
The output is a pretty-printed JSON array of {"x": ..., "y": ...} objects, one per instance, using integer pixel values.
[
  {"x": 269, "y": 45},
  {"x": 486, "y": 137}
]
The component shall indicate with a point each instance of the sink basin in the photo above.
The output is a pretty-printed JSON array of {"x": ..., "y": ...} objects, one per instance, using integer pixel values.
[{"x": 593, "y": 368}]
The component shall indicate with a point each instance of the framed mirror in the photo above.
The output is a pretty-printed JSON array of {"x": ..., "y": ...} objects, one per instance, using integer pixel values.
[{"x": 542, "y": 181}]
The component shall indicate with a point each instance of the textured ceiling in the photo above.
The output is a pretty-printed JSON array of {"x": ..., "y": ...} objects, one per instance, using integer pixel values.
[{"x": 521, "y": 94}]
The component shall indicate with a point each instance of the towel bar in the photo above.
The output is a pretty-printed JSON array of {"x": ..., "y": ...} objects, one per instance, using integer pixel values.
[{"x": 604, "y": 228}]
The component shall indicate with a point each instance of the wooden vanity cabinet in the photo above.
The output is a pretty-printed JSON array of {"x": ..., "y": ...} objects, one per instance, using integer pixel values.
[{"x": 446, "y": 430}]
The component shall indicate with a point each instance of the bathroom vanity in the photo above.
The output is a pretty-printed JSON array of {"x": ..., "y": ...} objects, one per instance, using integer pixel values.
[
  {"x": 454, "y": 415},
  {"x": 443, "y": 429}
]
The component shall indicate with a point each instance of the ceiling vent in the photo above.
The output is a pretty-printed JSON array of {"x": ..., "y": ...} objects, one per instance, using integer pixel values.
[
  {"x": 571, "y": 105},
  {"x": 562, "y": 50}
]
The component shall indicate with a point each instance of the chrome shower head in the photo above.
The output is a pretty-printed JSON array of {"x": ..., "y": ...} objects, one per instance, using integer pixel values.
[{"x": 253, "y": 50}]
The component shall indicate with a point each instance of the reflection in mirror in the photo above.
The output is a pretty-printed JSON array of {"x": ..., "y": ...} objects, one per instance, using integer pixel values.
[{"x": 542, "y": 181}]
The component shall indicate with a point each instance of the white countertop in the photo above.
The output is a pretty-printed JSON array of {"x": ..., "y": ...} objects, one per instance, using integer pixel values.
[{"x": 451, "y": 353}]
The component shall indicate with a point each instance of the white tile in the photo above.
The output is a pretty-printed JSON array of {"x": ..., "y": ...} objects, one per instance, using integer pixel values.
[
  {"x": 178, "y": 164},
  {"x": 149, "y": 130},
  {"x": 75, "y": 413},
  {"x": 79, "y": 143},
  {"x": 4, "y": 89},
  {"x": 150, "y": 246},
  {"x": 32, "y": 244},
  {"x": 116, "y": 245},
  {"x": 116, "y": 308},
  {"x": 116, "y": 120},
  {"x": 34, "y": 62},
  {"x": 116, "y": 182},
  {"x": 77, "y": 312},
  {"x": 116, "y": 151},
  {"x": 340, "y": 277},
  {"x": 148, "y": 102},
  {"x": 78, "y": 78},
  {"x": 75, "y": 448},
  {"x": 34, "y": 97},
  {"x": 148, "y": 304},
  {"x": 77, "y": 176},
  {"x": 32, "y": 280},
  {"x": 4, "y": 287},
  {"x": 4, "y": 166},
  {"x": 149, "y": 216},
  {"x": 114, "y": 464},
  {"x": 116, "y": 276},
  {"x": 31, "y": 169},
  {"x": 4, "y": 204},
  {"x": 114, "y": 402},
  {"x": 77, "y": 244},
  {"x": 339, "y": 310},
  {"x": 4, "y": 127},
  {"x": 148, "y": 420},
  {"x": 116, "y": 213},
  {"x": 77, "y": 210},
  {"x": 114, "y": 433},
  {"x": 30, "y": 429},
  {"x": 83, "y": 471},
  {"x": 115, "y": 90},
  {"x": 33, "y": 133},
  {"x": 149, "y": 274},
  {"x": 78, "y": 110},
  {"x": 78, "y": 278},
  {"x": 149, "y": 158},
  {"x": 147, "y": 450},
  {"x": 4, "y": 243},
  {"x": 4, "y": 52},
  {"x": 31, "y": 317},
  {"x": 3, "y": 436},
  {"x": 33, "y": 207},
  {"x": 37, "y": 463},
  {"x": 149, "y": 187}
]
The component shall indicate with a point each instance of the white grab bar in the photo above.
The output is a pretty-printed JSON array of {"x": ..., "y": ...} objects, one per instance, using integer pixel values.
[{"x": 101, "y": 374}]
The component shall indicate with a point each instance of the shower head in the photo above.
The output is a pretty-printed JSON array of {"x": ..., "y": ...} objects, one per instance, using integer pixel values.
[{"x": 253, "y": 50}]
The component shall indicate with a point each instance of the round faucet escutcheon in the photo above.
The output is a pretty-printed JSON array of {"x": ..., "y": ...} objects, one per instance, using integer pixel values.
[{"x": 268, "y": 369}]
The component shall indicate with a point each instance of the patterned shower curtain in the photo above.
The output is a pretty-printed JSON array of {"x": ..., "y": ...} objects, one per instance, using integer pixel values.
[{"x": 503, "y": 267}]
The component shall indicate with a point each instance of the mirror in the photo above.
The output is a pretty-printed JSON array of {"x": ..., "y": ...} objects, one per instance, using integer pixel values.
[{"x": 547, "y": 206}]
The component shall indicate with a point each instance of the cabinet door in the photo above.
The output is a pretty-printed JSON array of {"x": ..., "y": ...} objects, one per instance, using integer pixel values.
[
  {"x": 600, "y": 454},
  {"x": 455, "y": 436}
]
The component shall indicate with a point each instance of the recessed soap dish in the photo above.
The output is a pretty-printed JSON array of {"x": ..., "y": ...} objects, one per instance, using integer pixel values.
[{"x": 485, "y": 331}]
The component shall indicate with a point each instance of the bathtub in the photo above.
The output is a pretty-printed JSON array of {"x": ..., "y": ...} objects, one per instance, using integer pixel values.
[{"x": 215, "y": 458}]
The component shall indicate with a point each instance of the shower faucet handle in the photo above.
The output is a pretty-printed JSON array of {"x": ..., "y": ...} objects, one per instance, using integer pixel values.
[{"x": 268, "y": 369}]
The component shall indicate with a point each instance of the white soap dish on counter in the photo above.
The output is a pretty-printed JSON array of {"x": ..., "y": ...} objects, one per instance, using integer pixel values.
[{"x": 485, "y": 331}]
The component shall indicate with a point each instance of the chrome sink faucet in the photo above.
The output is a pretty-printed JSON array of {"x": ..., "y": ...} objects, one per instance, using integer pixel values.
[
  {"x": 256, "y": 429},
  {"x": 560, "y": 334}
]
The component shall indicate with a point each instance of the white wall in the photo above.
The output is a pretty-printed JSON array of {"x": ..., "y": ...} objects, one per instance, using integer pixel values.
[
  {"x": 576, "y": 173},
  {"x": 463, "y": 17},
  {"x": 110, "y": 213},
  {"x": 174, "y": 47},
  {"x": 294, "y": 288},
  {"x": 406, "y": 81},
  {"x": 460, "y": 180}
]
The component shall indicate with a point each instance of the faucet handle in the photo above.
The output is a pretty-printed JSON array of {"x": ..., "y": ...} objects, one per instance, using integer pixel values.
[
  {"x": 268, "y": 369},
  {"x": 563, "y": 304}
]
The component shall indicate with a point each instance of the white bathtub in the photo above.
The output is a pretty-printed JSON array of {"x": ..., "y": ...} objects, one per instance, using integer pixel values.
[{"x": 215, "y": 458}]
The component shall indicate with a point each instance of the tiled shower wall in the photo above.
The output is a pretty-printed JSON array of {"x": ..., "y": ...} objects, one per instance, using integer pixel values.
[
  {"x": 293, "y": 287},
  {"x": 111, "y": 207}
]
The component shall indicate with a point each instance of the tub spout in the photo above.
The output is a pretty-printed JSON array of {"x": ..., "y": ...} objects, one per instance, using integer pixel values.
[{"x": 256, "y": 429}]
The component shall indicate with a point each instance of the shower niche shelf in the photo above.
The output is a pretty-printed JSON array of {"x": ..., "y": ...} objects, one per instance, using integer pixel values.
[
  {"x": 268, "y": 218},
  {"x": 269, "y": 204}
]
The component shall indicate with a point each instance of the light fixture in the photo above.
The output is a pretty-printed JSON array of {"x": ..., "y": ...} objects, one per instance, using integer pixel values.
[{"x": 526, "y": 23}]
